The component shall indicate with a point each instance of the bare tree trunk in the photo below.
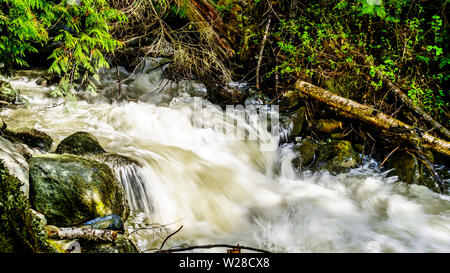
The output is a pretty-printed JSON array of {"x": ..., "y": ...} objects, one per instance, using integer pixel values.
[
  {"x": 389, "y": 125},
  {"x": 261, "y": 51}
]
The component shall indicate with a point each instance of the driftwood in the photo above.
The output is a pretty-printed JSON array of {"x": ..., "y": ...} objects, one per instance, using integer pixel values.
[
  {"x": 367, "y": 114},
  {"x": 86, "y": 233}
]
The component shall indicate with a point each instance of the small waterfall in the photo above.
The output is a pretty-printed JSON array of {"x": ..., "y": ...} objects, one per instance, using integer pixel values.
[{"x": 181, "y": 169}]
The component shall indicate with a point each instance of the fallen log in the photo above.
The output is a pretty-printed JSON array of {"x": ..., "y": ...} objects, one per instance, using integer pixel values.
[
  {"x": 367, "y": 114},
  {"x": 86, "y": 233}
]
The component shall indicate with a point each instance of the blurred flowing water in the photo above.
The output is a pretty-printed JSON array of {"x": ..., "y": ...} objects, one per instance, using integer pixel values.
[{"x": 225, "y": 190}]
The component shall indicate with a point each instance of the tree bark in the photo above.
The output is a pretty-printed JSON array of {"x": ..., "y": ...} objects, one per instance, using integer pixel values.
[
  {"x": 389, "y": 125},
  {"x": 86, "y": 233}
]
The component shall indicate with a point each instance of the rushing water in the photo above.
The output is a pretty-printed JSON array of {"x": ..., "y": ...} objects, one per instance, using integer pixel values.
[{"x": 232, "y": 191}]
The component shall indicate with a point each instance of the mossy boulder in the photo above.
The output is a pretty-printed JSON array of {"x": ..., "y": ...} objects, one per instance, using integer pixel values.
[
  {"x": 31, "y": 137},
  {"x": 337, "y": 156},
  {"x": 70, "y": 189},
  {"x": 80, "y": 143},
  {"x": 306, "y": 151},
  {"x": 20, "y": 229}
]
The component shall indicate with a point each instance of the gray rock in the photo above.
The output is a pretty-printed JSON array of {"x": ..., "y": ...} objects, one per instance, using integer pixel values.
[{"x": 70, "y": 190}]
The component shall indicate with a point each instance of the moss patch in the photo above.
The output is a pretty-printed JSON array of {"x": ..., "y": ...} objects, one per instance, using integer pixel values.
[
  {"x": 19, "y": 227},
  {"x": 80, "y": 143},
  {"x": 31, "y": 137}
]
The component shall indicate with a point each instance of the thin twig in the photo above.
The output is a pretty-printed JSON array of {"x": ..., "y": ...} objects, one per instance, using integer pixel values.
[
  {"x": 167, "y": 238},
  {"x": 214, "y": 246},
  {"x": 389, "y": 156}
]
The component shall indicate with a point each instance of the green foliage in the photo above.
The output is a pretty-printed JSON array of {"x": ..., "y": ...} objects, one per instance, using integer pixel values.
[
  {"x": 344, "y": 44},
  {"x": 83, "y": 39},
  {"x": 22, "y": 23},
  {"x": 19, "y": 228}
]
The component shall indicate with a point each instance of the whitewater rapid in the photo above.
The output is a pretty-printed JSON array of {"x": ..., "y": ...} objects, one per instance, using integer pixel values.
[{"x": 224, "y": 190}]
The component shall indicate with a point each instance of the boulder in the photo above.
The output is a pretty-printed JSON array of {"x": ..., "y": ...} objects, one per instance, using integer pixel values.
[
  {"x": 31, "y": 137},
  {"x": 70, "y": 189},
  {"x": 80, "y": 143},
  {"x": 337, "y": 156}
]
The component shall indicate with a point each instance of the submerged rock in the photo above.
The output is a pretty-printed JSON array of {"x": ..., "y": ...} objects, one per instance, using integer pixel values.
[
  {"x": 337, "y": 156},
  {"x": 31, "y": 137},
  {"x": 80, "y": 143},
  {"x": 70, "y": 190}
]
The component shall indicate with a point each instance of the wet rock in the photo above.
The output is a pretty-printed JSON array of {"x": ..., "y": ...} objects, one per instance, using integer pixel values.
[
  {"x": 80, "y": 143},
  {"x": 31, "y": 137},
  {"x": 70, "y": 190},
  {"x": 111, "y": 222},
  {"x": 121, "y": 245},
  {"x": 15, "y": 163},
  {"x": 306, "y": 150},
  {"x": 408, "y": 168},
  {"x": 297, "y": 118},
  {"x": 329, "y": 126},
  {"x": 337, "y": 156}
]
